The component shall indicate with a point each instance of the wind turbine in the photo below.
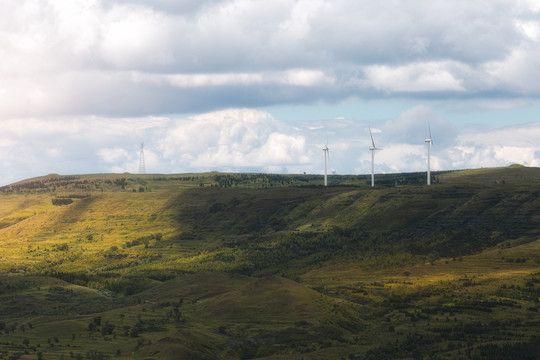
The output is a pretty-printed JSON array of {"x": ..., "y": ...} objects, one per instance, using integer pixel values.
[
  {"x": 429, "y": 142},
  {"x": 326, "y": 157},
  {"x": 372, "y": 149}
]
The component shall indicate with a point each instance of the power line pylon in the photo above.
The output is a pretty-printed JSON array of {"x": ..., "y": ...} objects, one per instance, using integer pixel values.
[{"x": 142, "y": 167}]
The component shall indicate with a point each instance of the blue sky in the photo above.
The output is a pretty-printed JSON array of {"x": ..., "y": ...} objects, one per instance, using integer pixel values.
[
  {"x": 379, "y": 110},
  {"x": 252, "y": 85}
]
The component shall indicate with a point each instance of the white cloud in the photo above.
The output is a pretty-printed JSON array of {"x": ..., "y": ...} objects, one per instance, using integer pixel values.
[
  {"x": 517, "y": 73},
  {"x": 34, "y": 146},
  {"x": 281, "y": 149},
  {"x": 401, "y": 156},
  {"x": 497, "y": 147},
  {"x": 519, "y": 135},
  {"x": 293, "y": 77},
  {"x": 117, "y": 57},
  {"x": 404, "y": 150},
  {"x": 236, "y": 138},
  {"x": 464, "y": 105},
  {"x": 529, "y": 5},
  {"x": 114, "y": 155},
  {"x": 530, "y": 29},
  {"x": 135, "y": 37},
  {"x": 417, "y": 77},
  {"x": 413, "y": 126}
]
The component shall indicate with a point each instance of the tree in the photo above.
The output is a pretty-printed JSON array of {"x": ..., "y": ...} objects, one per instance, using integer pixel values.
[{"x": 107, "y": 329}]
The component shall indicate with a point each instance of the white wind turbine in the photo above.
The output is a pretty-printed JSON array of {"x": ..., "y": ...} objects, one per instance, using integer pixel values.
[
  {"x": 372, "y": 149},
  {"x": 326, "y": 158},
  {"x": 429, "y": 142}
]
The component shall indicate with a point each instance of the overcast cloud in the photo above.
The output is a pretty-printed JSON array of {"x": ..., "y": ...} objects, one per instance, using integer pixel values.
[
  {"x": 83, "y": 82},
  {"x": 69, "y": 57}
]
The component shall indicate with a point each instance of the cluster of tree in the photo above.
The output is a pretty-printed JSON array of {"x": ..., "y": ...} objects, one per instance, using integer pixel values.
[
  {"x": 45, "y": 184},
  {"x": 526, "y": 350},
  {"x": 122, "y": 182},
  {"x": 74, "y": 196},
  {"x": 528, "y": 292},
  {"x": 60, "y": 247},
  {"x": 67, "y": 199},
  {"x": 316, "y": 246},
  {"x": 59, "y": 201},
  {"x": 403, "y": 179},
  {"x": 177, "y": 178},
  {"x": 16, "y": 285},
  {"x": 76, "y": 277},
  {"x": 144, "y": 240},
  {"x": 136, "y": 242},
  {"x": 124, "y": 286},
  {"x": 268, "y": 180},
  {"x": 106, "y": 328},
  {"x": 7, "y": 328}
]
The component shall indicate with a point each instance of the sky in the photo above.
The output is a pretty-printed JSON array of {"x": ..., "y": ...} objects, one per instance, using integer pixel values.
[{"x": 262, "y": 86}]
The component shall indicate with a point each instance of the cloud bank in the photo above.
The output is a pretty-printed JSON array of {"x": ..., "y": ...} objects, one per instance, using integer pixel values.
[{"x": 136, "y": 58}]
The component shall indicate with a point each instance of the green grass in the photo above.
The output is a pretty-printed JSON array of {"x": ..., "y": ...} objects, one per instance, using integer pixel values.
[
  {"x": 266, "y": 266},
  {"x": 499, "y": 175}
]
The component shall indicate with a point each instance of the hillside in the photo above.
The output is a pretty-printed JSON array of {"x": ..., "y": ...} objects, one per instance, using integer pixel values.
[{"x": 267, "y": 266}]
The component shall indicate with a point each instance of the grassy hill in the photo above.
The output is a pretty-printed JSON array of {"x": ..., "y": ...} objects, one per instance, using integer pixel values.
[{"x": 267, "y": 266}]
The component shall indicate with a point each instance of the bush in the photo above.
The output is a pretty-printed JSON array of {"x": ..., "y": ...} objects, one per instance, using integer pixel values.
[{"x": 61, "y": 201}]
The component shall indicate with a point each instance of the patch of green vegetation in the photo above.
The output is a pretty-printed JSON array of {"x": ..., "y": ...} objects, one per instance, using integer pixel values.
[{"x": 268, "y": 266}]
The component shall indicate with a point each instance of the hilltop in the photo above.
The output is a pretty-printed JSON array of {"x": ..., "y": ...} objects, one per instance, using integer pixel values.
[{"x": 271, "y": 266}]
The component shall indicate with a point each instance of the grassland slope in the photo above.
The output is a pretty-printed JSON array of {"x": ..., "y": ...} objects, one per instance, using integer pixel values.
[{"x": 267, "y": 266}]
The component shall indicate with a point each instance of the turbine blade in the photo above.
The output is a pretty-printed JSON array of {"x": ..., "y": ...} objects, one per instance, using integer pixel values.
[{"x": 371, "y": 134}]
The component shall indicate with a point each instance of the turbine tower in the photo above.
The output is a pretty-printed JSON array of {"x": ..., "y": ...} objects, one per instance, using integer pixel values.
[
  {"x": 372, "y": 149},
  {"x": 326, "y": 157},
  {"x": 142, "y": 167},
  {"x": 429, "y": 142}
]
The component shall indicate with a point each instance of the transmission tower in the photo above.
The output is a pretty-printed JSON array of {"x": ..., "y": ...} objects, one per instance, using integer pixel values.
[{"x": 142, "y": 168}]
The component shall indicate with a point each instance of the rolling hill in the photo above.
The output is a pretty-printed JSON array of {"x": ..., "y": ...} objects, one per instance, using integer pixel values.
[{"x": 271, "y": 266}]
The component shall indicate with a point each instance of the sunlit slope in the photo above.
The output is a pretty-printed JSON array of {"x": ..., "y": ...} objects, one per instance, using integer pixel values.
[
  {"x": 496, "y": 175},
  {"x": 91, "y": 225},
  {"x": 174, "y": 226}
]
